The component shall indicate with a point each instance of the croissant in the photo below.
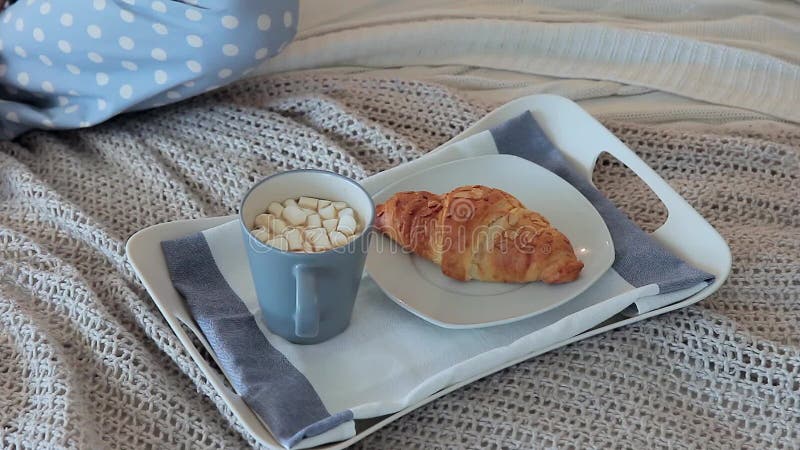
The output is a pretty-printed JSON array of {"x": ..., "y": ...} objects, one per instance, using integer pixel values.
[{"x": 481, "y": 233}]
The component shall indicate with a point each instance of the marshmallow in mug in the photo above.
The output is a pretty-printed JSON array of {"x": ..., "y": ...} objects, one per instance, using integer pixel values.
[{"x": 307, "y": 224}]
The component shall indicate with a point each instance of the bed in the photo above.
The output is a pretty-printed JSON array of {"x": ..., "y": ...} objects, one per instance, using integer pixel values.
[{"x": 707, "y": 93}]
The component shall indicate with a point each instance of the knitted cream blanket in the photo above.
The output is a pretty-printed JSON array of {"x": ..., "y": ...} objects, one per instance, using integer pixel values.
[
  {"x": 86, "y": 361},
  {"x": 722, "y": 59}
]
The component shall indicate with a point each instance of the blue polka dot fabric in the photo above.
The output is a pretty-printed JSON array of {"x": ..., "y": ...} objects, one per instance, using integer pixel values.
[{"x": 75, "y": 63}]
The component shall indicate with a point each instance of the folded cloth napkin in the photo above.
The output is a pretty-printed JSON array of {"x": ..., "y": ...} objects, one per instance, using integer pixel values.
[{"x": 388, "y": 358}]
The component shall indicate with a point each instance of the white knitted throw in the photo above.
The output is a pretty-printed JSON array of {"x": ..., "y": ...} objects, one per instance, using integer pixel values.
[
  {"x": 86, "y": 361},
  {"x": 732, "y": 57}
]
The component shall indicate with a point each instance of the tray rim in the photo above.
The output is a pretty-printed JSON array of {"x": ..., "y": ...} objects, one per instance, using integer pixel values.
[{"x": 531, "y": 103}]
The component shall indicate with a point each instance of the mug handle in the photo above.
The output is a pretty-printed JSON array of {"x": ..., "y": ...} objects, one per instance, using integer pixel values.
[{"x": 306, "y": 316}]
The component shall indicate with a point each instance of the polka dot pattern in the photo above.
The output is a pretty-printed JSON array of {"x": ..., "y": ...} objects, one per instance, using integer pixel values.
[
  {"x": 126, "y": 91},
  {"x": 126, "y": 43},
  {"x": 94, "y": 31},
  {"x": 160, "y": 76},
  {"x": 126, "y": 16},
  {"x": 64, "y": 46},
  {"x": 194, "y": 66},
  {"x": 88, "y": 60},
  {"x": 194, "y": 41},
  {"x": 230, "y": 22},
  {"x": 230, "y": 50},
  {"x": 160, "y": 28},
  {"x": 264, "y": 22},
  {"x": 129, "y": 65},
  {"x": 158, "y": 54},
  {"x": 193, "y": 14}
]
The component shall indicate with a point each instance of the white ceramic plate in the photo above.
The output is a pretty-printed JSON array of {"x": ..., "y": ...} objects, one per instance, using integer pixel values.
[{"x": 419, "y": 286}]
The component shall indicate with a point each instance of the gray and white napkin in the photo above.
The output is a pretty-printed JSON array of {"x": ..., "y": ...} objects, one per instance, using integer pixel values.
[{"x": 388, "y": 358}]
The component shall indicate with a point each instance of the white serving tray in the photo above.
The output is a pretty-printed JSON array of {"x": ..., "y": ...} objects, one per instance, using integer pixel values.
[{"x": 570, "y": 128}]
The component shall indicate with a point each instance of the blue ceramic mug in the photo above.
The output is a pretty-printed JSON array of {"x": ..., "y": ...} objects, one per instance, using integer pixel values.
[{"x": 306, "y": 297}]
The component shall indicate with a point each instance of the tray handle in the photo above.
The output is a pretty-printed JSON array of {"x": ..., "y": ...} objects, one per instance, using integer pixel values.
[
  {"x": 582, "y": 139},
  {"x": 587, "y": 160},
  {"x": 684, "y": 231}
]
